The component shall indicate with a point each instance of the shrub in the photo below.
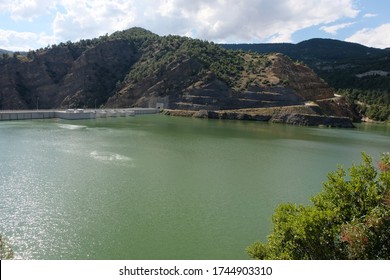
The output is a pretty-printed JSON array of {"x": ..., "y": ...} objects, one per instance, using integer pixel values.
[{"x": 349, "y": 219}]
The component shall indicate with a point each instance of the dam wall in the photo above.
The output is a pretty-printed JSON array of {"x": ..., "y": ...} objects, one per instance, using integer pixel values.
[
  {"x": 74, "y": 114},
  {"x": 25, "y": 115}
]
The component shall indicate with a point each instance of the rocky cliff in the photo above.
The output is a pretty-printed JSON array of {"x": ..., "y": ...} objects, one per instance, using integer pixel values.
[{"x": 66, "y": 76}]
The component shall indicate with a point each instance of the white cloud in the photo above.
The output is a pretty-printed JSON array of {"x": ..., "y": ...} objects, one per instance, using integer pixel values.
[
  {"x": 373, "y": 37},
  {"x": 45, "y": 40},
  {"x": 88, "y": 19},
  {"x": 220, "y": 20},
  {"x": 12, "y": 40},
  {"x": 369, "y": 15},
  {"x": 27, "y": 9},
  {"x": 231, "y": 20},
  {"x": 333, "y": 29}
]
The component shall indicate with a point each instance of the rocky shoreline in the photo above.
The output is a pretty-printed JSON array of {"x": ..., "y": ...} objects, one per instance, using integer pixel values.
[{"x": 293, "y": 115}]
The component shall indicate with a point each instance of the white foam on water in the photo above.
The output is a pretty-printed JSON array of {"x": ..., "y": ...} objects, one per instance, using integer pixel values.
[
  {"x": 110, "y": 157},
  {"x": 72, "y": 126}
]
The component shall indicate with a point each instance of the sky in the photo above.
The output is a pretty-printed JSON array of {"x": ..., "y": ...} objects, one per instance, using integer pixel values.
[{"x": 32, "y": 24}]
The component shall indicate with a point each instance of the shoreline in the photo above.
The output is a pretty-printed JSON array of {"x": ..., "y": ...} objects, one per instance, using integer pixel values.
[{"x": 293, "y": 115}]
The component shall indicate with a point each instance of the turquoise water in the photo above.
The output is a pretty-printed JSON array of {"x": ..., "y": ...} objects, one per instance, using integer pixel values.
[{"x": 158, "y": 187}]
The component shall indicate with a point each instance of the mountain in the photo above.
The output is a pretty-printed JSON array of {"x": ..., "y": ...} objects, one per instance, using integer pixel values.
[
  {"x": 340, "y": 63},
  {"x": 2, "y": 51},
  {"x": 135, "y": 67},
  {"x": 356, "y": 71},
  {"x": 5, "y": 52}
]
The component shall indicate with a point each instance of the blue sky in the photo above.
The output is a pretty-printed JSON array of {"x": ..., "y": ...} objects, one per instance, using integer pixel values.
[{"x": 31, "y": 24}]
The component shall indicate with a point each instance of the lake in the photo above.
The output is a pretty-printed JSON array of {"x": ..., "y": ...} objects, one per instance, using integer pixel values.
[{"x": 159, "y": 187}]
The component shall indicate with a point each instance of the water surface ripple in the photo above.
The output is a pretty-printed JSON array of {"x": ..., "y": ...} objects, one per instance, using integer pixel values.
[{"x": 157, "y": 187}]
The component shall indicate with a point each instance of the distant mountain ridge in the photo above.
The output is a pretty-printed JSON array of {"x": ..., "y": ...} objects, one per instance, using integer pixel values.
[
  {"x": 5, "y": 51},
  {"x": 316, "y": 47},
  {"x": 360, "y": 73},
  {"x": 330, "y": 58}
]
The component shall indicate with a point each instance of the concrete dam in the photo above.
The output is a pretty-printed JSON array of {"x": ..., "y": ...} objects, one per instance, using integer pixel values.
[{"x": 74, "y": 114}]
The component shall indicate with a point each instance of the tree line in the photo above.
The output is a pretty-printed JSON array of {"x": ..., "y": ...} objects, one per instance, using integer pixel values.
[{"x": 374, "y": 104}]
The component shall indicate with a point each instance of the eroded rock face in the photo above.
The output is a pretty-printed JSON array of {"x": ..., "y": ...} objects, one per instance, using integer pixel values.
[
  {"x": 187, "y": 85},
  {"x": 167, "y": 86},
  {"x": 94, "y": 74},
  {"x": 302, "y": 79},
  {"x": 65, "y": 77}
]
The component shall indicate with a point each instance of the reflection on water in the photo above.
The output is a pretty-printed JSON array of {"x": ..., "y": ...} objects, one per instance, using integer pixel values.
[{"x": 157, "y": 187}]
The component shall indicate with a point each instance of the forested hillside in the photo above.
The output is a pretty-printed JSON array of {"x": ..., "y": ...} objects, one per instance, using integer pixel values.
[
  {"x": 4, "y": 52},
  {"x": 360, "y": 73}
]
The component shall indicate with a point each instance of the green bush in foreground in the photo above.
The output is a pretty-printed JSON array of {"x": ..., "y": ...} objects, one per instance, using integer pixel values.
[
  {"x": 349, "y": 219},
  {"x": 5, "y": 251}
]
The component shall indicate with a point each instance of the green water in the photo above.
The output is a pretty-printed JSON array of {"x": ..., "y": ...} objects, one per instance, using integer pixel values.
[{"x": 157, "y": 187}]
